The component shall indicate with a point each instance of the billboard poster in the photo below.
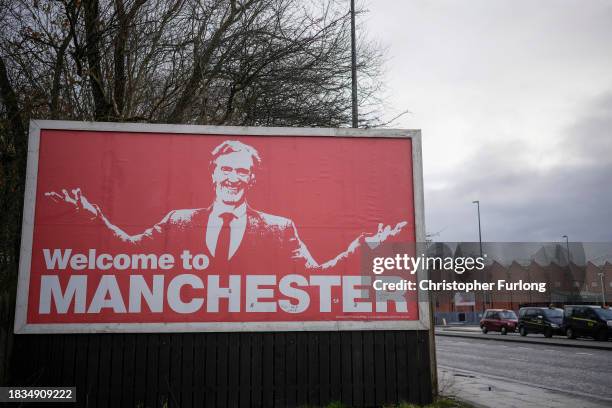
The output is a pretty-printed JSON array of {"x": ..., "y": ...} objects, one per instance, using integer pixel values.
[{"x": 147, "y": 228}]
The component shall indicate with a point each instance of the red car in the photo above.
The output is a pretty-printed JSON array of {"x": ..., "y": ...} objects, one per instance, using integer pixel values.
[{"x": 499, "y": 320}]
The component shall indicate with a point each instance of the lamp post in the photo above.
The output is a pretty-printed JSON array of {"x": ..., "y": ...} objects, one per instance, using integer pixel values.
[
  {"x": 603, "y": 288},
  {"x": 569, "y": 256},
  {"x": 477, "y": 202}
]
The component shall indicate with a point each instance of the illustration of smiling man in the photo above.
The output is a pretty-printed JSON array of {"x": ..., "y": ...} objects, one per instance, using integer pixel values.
[{"x": 229, "y": 231}]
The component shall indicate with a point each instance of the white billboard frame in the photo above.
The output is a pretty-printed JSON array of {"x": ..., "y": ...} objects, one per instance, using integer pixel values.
[{"x": 27, "y": 231}]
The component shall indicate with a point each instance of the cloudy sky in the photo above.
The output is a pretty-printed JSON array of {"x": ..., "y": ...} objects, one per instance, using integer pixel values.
[{"x": 514, "y": 99}]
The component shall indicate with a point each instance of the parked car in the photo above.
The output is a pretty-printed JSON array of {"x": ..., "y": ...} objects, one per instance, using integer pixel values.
[
  {"x": 545, "y": 320},
  {"x": 499, "y": 320},
  {"x": 588, "y": 321}
]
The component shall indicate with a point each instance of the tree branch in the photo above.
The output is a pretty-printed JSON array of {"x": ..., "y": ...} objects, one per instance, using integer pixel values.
[{"x": 102, "y": 110}]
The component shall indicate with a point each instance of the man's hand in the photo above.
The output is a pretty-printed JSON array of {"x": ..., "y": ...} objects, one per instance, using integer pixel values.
[
  {"x": 383, "y": 233},
  {"x": 75, "y": 201},
  {"x": 374, "y": 240}
]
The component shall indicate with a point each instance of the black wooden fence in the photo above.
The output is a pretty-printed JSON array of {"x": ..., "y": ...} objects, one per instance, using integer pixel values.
[
  {"x": 7, "y": 313},
  {"x": 288, "y": 369}
]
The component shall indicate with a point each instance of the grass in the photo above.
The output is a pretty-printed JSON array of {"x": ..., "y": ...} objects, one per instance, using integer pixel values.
[{"x": 443, "y": 402}]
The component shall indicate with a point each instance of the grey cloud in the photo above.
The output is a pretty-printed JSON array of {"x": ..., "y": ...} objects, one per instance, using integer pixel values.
[{"x": 520, "y": 202}]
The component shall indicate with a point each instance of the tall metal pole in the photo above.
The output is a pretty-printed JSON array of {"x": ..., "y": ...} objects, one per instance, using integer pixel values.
[
  {"x": 477, "y": 202},
  {"x": 354, "y": 66},
  {"x": 569, "y": 255},
  {"x": 603, "y": 288}
]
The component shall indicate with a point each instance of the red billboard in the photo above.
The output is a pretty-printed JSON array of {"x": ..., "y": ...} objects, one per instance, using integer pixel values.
[{"x": 144, "y": 228}]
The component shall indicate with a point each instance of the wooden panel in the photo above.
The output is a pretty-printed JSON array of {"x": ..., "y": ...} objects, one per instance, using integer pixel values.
[
  {"x": 230, "y": 369},
  {"x": 80, "y": 367},
  {"x": 403, "y": 368},
  {"x": 379, "y": 370},
  {"x": 267, "y": 366},
  {"x": 222, "y": 369},
  {"x": 211, "y": 370},
  {"x": 354, "y": 367},
  {"x": 152, "y": 371},
  {"x": 413, "y": 360},
  {"x": 129, "y": 373},
  {"x": 390, "y": 367},
  {"x": 233, "y": 382},
  {"x": 118, "y": 374},
  {"x": 312, "y": 352},
  {"x": 323, "y": 360},
  {"x": 301, "y": 363},
  {"x": 257, "y": 370},
  {"x": 163, "y": 377},
  {"x": 92, "y": 396},
  {"x": 184, "y": 388},
  {"x": 105, "y": 374},
  {"x": 199, "y": 370},
  {"x": 69, "y": 356},
  {"x": 140, "y": 370},
  {"x": 347, "y": 385},
  {"x": 369, "y": 376},
  {"x": 245, "y": 370},
  {"x": 291, "y": 373}
]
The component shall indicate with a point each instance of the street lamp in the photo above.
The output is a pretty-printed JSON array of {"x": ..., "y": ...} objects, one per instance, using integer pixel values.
[
  {"x": 569, "y": 256},
  {"x": 603, "y": 289},
  {"x": 477, "y": 202}
]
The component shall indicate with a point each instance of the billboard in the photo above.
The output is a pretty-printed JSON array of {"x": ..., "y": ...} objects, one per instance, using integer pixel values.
[{"x": 162, "y": 228}]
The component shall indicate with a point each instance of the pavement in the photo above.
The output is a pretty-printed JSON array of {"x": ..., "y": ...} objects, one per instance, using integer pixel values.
[
  {"x": 486, "y": 391},
  {"x": 509, "y": 374},
  {"x": 562, "y": 341}
]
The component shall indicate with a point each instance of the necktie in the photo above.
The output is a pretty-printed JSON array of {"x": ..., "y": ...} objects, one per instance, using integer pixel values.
[{"x": 223, "y": 243}]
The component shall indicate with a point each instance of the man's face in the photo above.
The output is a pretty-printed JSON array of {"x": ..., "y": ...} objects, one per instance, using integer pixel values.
[{"x": 233, "y": 176}]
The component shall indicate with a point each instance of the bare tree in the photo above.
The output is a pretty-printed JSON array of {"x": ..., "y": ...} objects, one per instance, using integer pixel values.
[
  {"x": 238, "y": 62},
  {"x": 247, "y": 62}
]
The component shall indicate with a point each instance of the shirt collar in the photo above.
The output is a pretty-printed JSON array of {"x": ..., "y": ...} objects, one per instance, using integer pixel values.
[{"x": 221, "y": 208}]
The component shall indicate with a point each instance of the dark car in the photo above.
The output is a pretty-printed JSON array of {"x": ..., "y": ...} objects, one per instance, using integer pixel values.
[
  {"x": 588, "y": 321},
  {"x": 545, "y": 320},
  {"x": 500, "y": 320}
]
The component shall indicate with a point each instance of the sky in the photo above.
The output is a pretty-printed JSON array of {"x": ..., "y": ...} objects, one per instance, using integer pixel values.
[{"x": 514, "y": 101}]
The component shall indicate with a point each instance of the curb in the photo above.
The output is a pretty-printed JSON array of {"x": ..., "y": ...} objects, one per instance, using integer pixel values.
[
  {"x": 511, "y": 380},
  {"x": 523, "y": 340}
]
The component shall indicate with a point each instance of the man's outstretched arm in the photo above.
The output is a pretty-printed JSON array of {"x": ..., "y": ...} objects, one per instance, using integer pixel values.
[
  {"x": 300, "y": 251},
  {"x": 371, "y": 240},
  {"x": 92, "y": 213}
]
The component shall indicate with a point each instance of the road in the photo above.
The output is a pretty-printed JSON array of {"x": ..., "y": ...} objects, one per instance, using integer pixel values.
[
  {"x": 475, "y": 333},
  {"x": 581, "y": 372}
]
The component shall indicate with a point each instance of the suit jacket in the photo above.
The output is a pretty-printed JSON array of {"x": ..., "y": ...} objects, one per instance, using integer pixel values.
[{"x": 270, "y": 243}]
